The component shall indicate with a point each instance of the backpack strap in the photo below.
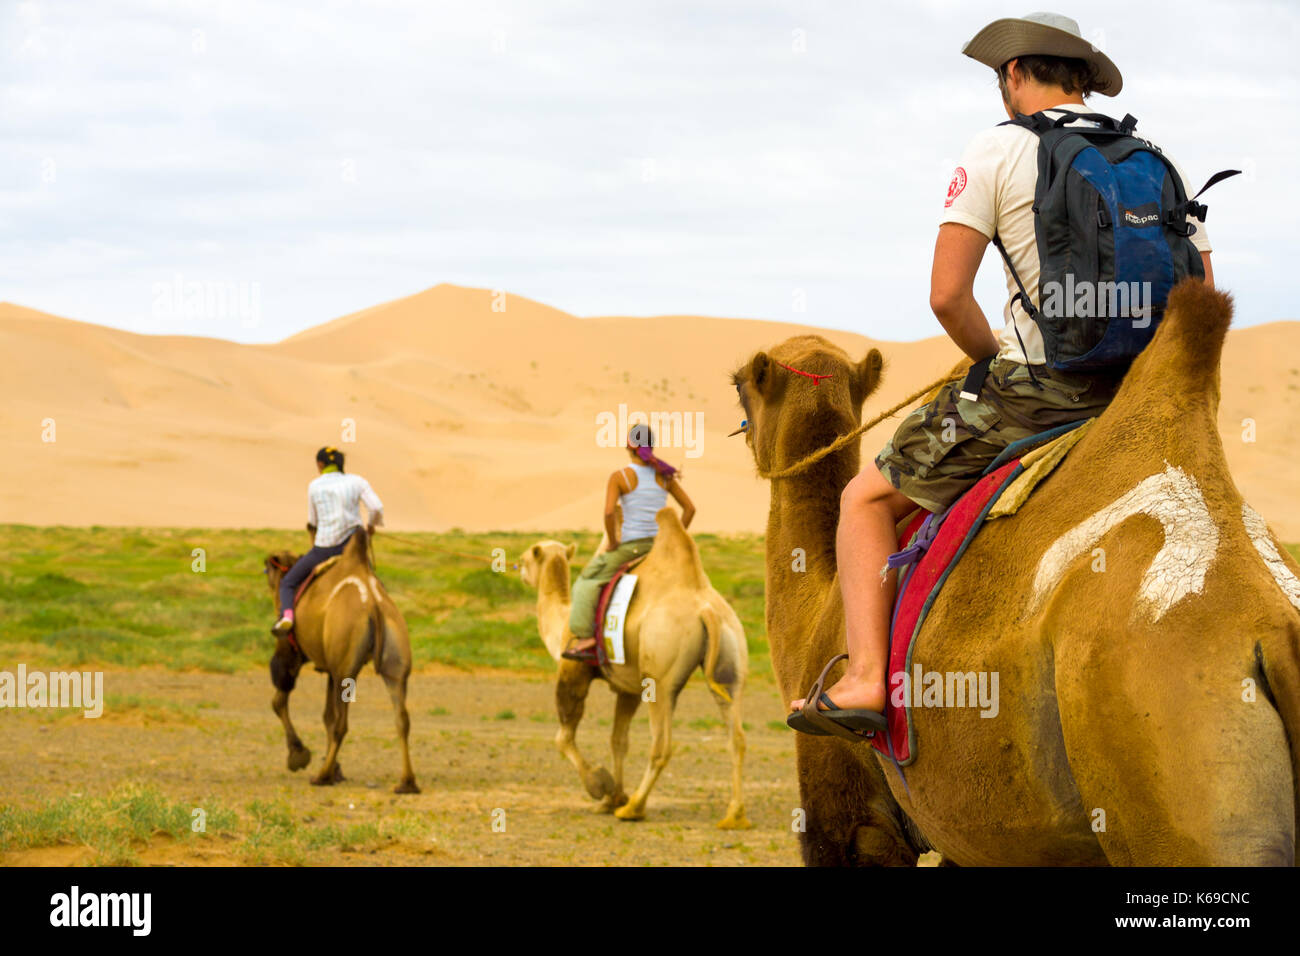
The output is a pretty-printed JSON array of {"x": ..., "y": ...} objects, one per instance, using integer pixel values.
[
  {"x": 1025, "y": 303},
  {"x": 1197, "y": 209}
]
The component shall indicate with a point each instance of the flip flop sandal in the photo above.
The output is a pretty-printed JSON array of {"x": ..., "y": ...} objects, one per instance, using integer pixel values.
[
  {"x": 857, "y": 725},
  {"x": 585, "y": 656}
]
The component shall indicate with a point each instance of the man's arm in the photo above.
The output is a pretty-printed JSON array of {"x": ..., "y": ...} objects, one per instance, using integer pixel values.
[
  {"x": 957, "y": 255},
  {"x": 1209, "y": 269}
]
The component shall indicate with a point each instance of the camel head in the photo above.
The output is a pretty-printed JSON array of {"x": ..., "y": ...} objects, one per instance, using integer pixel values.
[
  {"x": 791, "y": 415},
  {"x": 533, "y": 561},
  {"x": 276, "y": 566}
]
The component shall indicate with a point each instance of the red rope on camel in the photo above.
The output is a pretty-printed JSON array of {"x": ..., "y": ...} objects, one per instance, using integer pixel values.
[{"x": 817, "y": 379}]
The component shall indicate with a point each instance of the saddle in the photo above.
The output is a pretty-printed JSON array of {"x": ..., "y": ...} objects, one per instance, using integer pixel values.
[
  {"x": 315, "y": 573},
  {"x": 602, "y": 660},
  {"x": 932, "y": 546}
]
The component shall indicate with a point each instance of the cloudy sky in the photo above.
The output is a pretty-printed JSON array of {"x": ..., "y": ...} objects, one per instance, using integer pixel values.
[{"x": 298, "y": 161}]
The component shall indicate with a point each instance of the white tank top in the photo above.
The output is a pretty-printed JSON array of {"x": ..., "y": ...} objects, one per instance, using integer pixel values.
[{"x": 641, "y": 504}]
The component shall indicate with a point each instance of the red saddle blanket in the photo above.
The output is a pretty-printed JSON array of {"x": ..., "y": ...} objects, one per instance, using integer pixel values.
[
  {"x": 918, "y": 588},
  {"x": 602, "y": 605}
]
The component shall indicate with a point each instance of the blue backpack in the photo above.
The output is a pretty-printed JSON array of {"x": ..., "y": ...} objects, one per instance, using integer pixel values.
[{"x": 1110, "y": 220}]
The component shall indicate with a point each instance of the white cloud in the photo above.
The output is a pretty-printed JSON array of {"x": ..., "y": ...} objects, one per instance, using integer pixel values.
[{"x": 604, "y": 158}]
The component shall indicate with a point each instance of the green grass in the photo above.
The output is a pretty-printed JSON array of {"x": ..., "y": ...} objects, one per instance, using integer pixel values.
[
  {"x": 129, "y": 597},
  {"x": 113, "y": 826},
  {"x": 118, "y": 826}
]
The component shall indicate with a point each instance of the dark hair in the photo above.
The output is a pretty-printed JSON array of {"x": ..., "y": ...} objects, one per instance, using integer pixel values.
[
  {"x": 1070, "y": 74},
  {"x": 640, "y": 436},
  {"x": 329, "y": 455}
]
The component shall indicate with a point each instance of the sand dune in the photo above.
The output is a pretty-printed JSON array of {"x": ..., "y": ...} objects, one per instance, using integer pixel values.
[{"x": 464, "y": 416}]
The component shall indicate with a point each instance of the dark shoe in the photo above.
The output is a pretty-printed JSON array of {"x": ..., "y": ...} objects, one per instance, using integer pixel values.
[
  {"x": 857, "y": 725},
  {"x": 585, "y": 655}
]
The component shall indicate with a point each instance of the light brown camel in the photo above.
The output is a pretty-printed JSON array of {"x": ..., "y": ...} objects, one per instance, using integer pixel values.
[
  {"x": 1149, "y": 712},
  {"x": 675, "y": 623},
  {"x": 344, "y": 619}
]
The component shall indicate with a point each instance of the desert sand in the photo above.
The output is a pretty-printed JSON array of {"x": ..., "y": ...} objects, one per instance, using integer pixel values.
[{"x": 463, "y": 415}]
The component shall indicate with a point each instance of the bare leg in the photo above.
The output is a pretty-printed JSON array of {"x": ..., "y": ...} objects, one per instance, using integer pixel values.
[{"x": 870, "y": 508}]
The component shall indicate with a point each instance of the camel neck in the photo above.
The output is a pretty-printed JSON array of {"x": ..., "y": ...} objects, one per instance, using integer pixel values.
[
  {"x": 805, "y": 511},
  {"x": 554, "y": 584}
]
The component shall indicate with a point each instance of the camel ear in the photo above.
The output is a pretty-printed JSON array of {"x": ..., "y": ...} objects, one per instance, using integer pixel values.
[
  {"x": 760, "y": 372},
  {"x": 866, "y": 376},
  {"x": 537, "y": 552},
  {"x": 570, "y": 550}
]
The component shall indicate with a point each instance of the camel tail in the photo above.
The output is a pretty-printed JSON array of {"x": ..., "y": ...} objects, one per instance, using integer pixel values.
[{"x": 713, "y": 628}]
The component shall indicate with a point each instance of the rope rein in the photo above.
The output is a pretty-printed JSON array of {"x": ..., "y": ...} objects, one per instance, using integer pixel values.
[{"x": 804, "y": 464}]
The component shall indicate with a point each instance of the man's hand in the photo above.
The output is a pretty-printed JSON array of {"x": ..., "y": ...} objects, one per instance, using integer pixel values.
[
  {"x": 370, "y": 530},
  {"x": 957, "y": 255}
]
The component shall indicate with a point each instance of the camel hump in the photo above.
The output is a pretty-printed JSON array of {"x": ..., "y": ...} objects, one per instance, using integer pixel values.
[
  {"x": 1167, "y": 407},
  {"x": 358, "y": 548},
  {"x": 1194, "y": 328},
  {"x": 674, "y": 559}
]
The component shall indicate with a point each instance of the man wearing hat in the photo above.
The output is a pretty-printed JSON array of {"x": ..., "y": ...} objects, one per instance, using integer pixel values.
[{"x": 940, "y": 450}]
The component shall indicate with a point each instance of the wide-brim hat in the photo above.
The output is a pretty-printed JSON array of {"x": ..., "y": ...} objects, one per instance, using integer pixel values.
[{"x": 1044, "y": 34}]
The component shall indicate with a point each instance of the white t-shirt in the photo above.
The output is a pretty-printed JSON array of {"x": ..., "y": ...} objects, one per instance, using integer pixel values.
[
  {"x": 333, "y": 506},
  {"x": 992, "y": 191}
]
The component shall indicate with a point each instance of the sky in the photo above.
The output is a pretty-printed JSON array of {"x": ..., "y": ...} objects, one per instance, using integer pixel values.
[{"x": 249, "y": 169}]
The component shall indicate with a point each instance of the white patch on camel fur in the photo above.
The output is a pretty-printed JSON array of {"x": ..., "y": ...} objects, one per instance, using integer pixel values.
[
  {"x": 1257, "y": 528},
  {"x": 357, "y": 583},
  {"x": 1179, "y": 567}
]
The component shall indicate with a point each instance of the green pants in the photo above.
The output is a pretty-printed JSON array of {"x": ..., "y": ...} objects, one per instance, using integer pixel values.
[{"x": 599, "y": 571}]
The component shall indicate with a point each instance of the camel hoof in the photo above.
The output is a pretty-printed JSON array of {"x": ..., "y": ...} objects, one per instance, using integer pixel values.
[
  {"x": 600, "y": 783},
  {"x": 736, "y": 821},
  {"x": 406, "y": 786},
  {"x": 299, "y": 758},
  {"x": 629, "y": 812},
  {"x": 320, "y": 780}
]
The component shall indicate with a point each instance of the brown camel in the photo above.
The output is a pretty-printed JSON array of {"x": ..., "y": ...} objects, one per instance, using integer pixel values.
[
  {"x": 1150, "y": 700},
  {"x": 343, "y": 619},
  {"x": 675, "y": 623}
]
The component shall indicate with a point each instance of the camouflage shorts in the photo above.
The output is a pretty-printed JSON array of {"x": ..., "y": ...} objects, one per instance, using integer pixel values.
[{"x": 942, "y": 448}]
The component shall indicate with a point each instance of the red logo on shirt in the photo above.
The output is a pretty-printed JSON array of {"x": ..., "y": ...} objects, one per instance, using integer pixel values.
[{"x": 956, "y": 186}]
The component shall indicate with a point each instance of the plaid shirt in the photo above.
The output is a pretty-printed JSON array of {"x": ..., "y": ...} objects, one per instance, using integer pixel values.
[{"x": 333, "y": 502}]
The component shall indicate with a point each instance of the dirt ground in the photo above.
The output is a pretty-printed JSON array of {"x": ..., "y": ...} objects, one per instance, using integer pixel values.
[{"x": 218, "y": 741}]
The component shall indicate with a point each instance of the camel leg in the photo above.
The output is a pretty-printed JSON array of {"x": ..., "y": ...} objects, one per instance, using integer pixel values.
[
  {"x": 873, "y": 834},
  {"x": 573, "y": 680},
  {"x": 336, "y": 728},
  {"x": 661, "y": 748},
  {"x": 731, "y": 711},
  {"x": 299, "y": 755},
  {"x": 625, "y": 706},
  {"x": 397, "y": 692}
]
